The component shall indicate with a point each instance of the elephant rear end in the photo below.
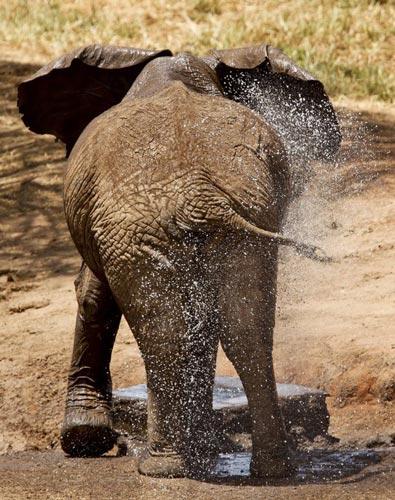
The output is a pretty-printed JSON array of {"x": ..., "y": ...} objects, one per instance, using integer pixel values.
[{"x": 150, "y": 172}]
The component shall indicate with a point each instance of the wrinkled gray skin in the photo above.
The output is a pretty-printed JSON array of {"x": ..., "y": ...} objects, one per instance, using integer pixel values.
[{"x": 166, "y": 197}]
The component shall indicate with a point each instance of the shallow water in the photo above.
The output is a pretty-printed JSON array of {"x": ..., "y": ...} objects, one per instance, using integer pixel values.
[
  {"x": 315, "y": 466},
  {"x": 228, "y": 392}
]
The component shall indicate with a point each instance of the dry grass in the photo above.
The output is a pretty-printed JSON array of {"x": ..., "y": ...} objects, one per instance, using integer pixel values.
[{"x": 346, "y": 43}]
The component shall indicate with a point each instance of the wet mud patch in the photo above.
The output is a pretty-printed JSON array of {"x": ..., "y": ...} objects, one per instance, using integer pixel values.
[{"x": 314, "y": 466}]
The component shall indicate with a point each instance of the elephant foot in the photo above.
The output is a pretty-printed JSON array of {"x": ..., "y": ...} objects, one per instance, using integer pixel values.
[
  {"x": 87, "y": 428},
  {"x": 162, "y": 465},
  {"x": 272, "y": 467},
  {"x": 87, "y": 440},
  {"x": 167, "y": 463}
]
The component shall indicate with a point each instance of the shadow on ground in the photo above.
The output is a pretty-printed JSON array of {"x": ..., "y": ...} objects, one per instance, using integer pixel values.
[{"x": 33, "y": 232}]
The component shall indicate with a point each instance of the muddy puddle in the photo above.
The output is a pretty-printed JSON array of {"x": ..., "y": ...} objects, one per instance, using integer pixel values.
[{"x": 312, "y": 467}]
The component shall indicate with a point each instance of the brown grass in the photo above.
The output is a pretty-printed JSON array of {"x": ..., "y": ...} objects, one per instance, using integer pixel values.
[{"x": 347, "y": 44}]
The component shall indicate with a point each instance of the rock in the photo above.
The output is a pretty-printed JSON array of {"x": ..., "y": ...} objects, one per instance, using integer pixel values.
[{"x": 304, "y": 410}]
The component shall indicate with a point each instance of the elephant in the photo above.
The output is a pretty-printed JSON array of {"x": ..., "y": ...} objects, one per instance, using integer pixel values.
[{"x": 175, "y": 190}]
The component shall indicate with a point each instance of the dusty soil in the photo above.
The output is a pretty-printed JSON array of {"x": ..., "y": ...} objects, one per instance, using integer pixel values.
[{"x": 335, "y": 323}]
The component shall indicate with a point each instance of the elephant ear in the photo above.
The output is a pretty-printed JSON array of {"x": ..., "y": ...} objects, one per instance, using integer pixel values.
[
  {"x": 292, "y": 100},
  {"x": 64, "y": 96}
]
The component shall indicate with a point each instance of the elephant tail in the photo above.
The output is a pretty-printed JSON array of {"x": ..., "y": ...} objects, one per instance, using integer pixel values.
[
  {"x": 310, "y": 251},
  {"x": 212, "y": 209}
]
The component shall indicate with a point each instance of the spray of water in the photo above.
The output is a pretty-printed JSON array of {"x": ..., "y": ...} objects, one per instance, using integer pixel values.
[
  {"x": 307, "y": 137},
  {"x": 308, "y": 132},
  {"x": 317, "y": 175}
]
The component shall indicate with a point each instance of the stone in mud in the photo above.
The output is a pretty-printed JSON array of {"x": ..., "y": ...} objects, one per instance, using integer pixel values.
[{"x": 304, "y": 411}]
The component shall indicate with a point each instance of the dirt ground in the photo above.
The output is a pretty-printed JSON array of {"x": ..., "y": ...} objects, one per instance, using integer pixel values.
[{"x": 335, "y": 323}]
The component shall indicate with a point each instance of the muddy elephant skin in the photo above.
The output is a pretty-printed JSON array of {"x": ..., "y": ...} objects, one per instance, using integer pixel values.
[{"x": 174, "y": 197}]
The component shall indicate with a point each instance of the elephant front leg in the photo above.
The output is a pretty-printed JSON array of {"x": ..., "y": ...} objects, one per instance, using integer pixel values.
[
  {"x": 247, "y": 307},
  {"x": 87, "y": 427}
]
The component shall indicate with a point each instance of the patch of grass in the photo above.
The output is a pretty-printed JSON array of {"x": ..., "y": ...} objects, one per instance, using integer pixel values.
[{"x": 348, "y": 44}]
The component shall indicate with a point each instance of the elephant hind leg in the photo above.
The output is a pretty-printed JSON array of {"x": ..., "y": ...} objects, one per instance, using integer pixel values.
[
  {"x": 178, "y": 345},
  {"x": 87, "y": 427},
  {"x": 246, "y": 337}
]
